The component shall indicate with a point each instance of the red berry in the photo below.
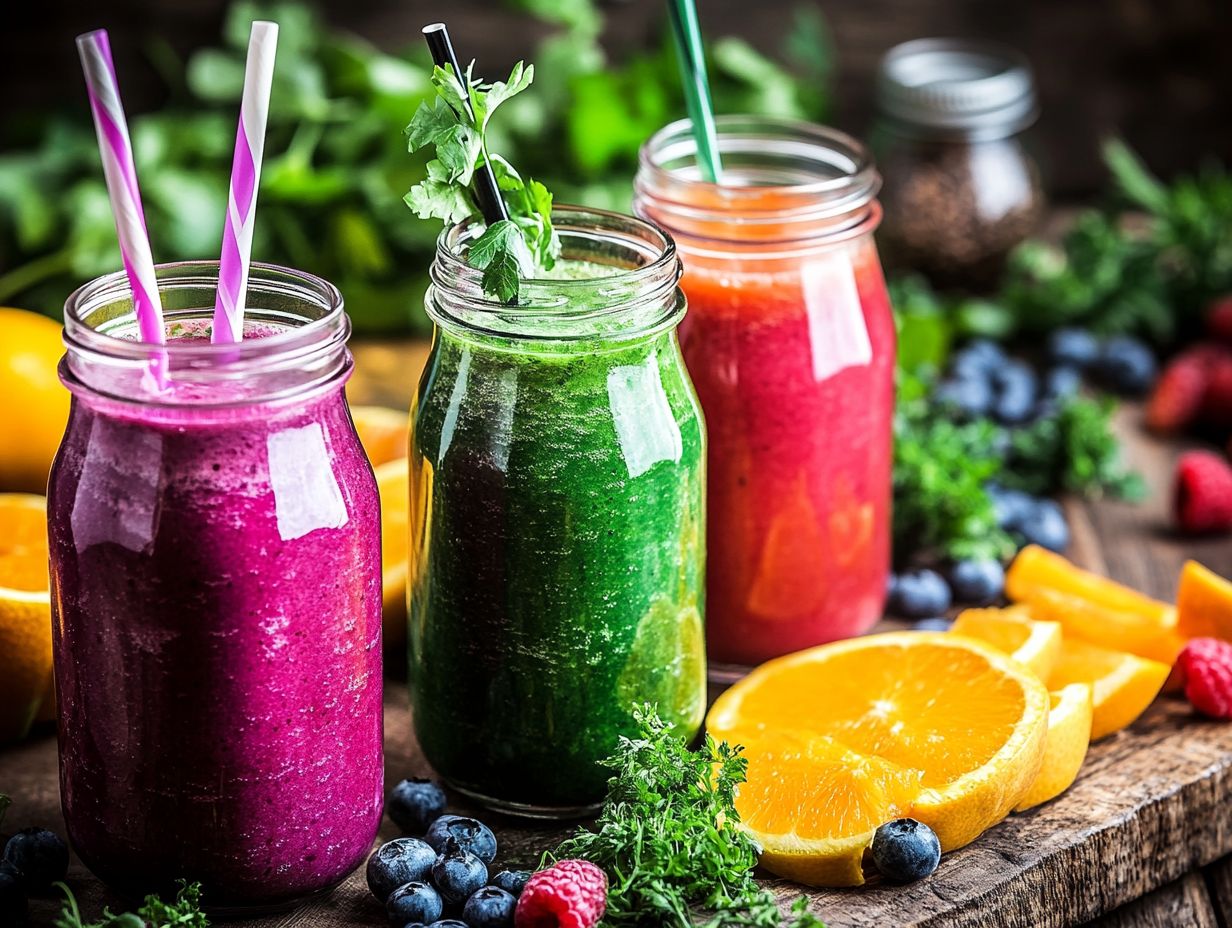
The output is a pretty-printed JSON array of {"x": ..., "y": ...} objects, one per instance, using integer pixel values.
[
  {"x": 1219, "y": 319},
  {"x": 1206, "y": 670},
  {"x": 1217, "y": 401},
  {"x": 1180, "y": 391},
  {"x": 569, "y": 894},
  {"x": 1202, "y": 493}
]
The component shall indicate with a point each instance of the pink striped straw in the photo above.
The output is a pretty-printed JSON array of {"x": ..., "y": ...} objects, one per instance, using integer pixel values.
[
  {"x": 117, "y": 154},
  {"x": 245, "y": 176}
]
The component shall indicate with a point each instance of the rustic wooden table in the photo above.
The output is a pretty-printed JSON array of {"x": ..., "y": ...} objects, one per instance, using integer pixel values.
[{"x": 1143, "y": 839}]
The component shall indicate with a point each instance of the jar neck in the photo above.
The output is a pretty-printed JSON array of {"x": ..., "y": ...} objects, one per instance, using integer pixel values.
[
  {"x": 294, "y": 346},
  {"x": 787, "y": 187},
  {"x": 615, "y": 281}
]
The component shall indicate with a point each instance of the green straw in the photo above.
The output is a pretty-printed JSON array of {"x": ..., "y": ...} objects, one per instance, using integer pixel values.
[{"x": 688, "y": 37}]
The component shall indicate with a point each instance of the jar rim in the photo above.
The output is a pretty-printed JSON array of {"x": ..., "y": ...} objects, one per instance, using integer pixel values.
[{"x": 456, "y": 295}]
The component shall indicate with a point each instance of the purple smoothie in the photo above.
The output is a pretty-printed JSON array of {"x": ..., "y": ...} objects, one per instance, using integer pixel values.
[{"x": 217, "y": 597}]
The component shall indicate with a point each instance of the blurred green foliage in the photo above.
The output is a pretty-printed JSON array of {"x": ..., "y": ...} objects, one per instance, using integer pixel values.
[{"x": 336, "y": 163}]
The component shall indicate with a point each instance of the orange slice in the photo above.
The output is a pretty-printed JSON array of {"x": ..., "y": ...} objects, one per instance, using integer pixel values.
[
  {"x": 393, "y": 481},
  {"x": 382, "y": 432},
  {"x": 946, "y": 712},
  {"x": 1035, "y": 568},
  {"x": 1011, "y": 631},
  {"x": 1203, "y": 603},
  {"x": 1123, "y": 684},
  {"x": 1065, "y": 747},
  {"x": 1108, "y": 627},
  {"x": 25, "y": 614}
]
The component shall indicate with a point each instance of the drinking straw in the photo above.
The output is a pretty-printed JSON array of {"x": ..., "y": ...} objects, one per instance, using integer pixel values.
[
  {"x": 245, "y": 177},
  {"x": 487, "y": 193},
  {"x": 116, "y": 150},
  {"x": 688, "y": 36}
]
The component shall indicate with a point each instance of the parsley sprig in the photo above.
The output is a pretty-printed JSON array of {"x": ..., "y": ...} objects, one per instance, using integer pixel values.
[
  {"x": 183, "y": 912},
  {"x": 667, "y": 841},
  {"x": 455, "y": 125}
]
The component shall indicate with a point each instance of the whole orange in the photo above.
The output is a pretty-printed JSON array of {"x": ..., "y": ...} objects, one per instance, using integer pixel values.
[{"x": 35, "y": 402}]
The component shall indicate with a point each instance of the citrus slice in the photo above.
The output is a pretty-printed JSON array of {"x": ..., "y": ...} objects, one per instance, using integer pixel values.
[
  {"x": 1065, "y": 747},
  {"x": 1035, "y": 568},
  {"x": 393, "y": 482},
  {"x": 1203, "y": 603},
  {"x": 1123, "y": 684},
  {"x": 1034, "y": 644},
  {"x": 1146, "y": 636},
  {"x": 382, "y": 432},
  {"x": 793, "y": 779},
  {"x": 36, "y": 403},
  {"x": 25, "y": 613},
  {"x": 962, "y": 720}
]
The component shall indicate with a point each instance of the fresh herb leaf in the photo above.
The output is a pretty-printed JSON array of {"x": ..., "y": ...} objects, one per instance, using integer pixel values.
[
  {"x": 666, "y": 837},
  {"x": 455, "y": 125},
  {"x": 184, "y": 912}
]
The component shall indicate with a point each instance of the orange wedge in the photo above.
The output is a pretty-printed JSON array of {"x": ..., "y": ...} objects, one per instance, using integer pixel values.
[
  {"x": 1065, "y": 747},
  {"x": 393, "y": 481},
  {"x": 25, "y": 615},
  {"x": 1037, "y": 568},
  {"x": 1123, "y": 684},
  {"x": 1146, "y": 636},
  {"x": 945, "y": 712},
  {"x": 1203, "y": 603},
  {"x": 1011, "y": 631},
  {"x": 382, "y": 432}
]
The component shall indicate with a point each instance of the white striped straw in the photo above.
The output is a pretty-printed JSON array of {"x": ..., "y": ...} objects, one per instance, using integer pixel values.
[
  {"x": 117, "y": 154},
  {"x": 245, "y": 178}
]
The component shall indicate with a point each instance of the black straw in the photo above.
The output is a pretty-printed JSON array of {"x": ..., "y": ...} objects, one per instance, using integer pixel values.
[{"x": 487, "y": 193}]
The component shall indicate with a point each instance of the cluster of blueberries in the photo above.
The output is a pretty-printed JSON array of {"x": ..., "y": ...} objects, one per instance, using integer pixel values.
[
  {"x": 34, "y": 859},
  {"x": 440, "y": 879},
  {"x": 983, "y": 381}
]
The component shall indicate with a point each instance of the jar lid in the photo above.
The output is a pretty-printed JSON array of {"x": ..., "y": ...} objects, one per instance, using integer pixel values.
[{"x": 957, "y": 84}]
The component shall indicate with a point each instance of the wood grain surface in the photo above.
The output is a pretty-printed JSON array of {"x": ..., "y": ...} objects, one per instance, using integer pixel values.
[{"x": 1139, "y": 841}]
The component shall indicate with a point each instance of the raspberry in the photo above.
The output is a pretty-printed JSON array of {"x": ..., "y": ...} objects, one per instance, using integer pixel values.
[
  {"x": 1217, "y": 400},
  {"x": 1202, "y": 494},
  {"x": 1180, "y": 392},
  {"x": 1219, "y": 319},
  {"x": 1206, "y": 670},
  {"x": 569, "y": 894}
]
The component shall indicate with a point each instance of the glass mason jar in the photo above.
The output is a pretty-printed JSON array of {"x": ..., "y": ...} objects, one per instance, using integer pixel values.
[
  {"x": 961, "y": 189},
  {"x": 557, "y": 518},
  {"x": 790, "y": 343},
  {"x": 216, "y": 593}
]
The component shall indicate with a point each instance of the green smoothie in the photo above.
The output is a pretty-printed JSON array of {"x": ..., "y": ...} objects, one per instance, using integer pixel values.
[{"x": 557, "y": 533}]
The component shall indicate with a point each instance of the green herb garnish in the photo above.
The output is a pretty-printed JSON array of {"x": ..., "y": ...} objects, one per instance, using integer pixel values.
[
  {"x": 184, "y": 912},
  {"x": 666, "y": 837},
  {"x": 455, "y": 125}
]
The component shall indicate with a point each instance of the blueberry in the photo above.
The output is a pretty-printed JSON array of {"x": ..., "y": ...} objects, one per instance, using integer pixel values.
[
  {"x": 457, "y": 873},
  {"x": 1076, "y": 347},
  {"x": 14, "y": 909},
  {"x": 511, "y": 881},
  {"x": 450, "y": 923},
  {"x": 905, "y": 850},
  {"x": 1009, "y": 506},
  {"x": 1062, "y": 382},
  {"x": 935, "y": 624},
  {"x": 977, "y": 582},
  {"x": 489, "y": 907},
  {"x": 978, "y": 357},
  {"x": 40, "y": 857},
  {"x": 401, "y": 861},
  {"x": 971, "y": 396},
  {"x": 414, "y": 902},
  {"x": 1045, "y": 526},
  {"x": 1127, "y": 365},
  {"x": 471, "y": 834},
  {"x": 1016, "y": 391},
  {"x": 414, "y": 804},
  {"x": 920, "y": 594}
]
